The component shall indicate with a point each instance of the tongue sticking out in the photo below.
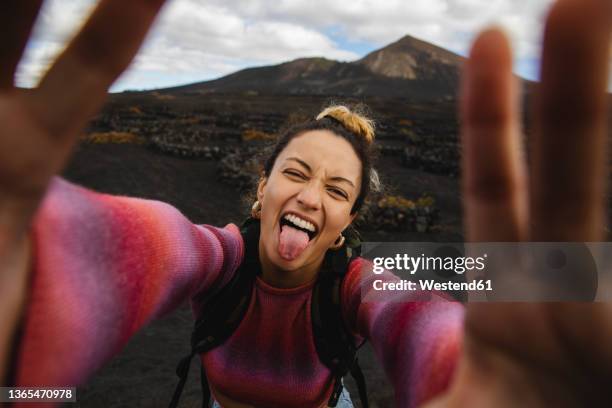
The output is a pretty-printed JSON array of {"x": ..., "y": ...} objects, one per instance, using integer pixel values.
[{"x": 292, "y": 242}]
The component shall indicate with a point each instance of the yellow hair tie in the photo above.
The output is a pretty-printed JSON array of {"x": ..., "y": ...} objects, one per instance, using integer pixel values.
[{"x": 354, "y": 122}]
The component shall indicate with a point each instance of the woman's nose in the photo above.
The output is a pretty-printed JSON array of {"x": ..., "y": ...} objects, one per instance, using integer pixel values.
[{"x": 310, "y": 197}]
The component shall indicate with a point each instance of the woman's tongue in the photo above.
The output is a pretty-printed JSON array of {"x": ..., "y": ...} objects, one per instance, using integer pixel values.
[{"x": 292, "y": 242}]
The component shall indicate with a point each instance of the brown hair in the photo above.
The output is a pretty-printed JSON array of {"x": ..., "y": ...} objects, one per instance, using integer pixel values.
[{"x": 351, "y": 125}]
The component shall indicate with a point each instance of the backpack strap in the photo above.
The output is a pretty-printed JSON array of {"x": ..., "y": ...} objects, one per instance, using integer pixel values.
[
  {"x": 206, "y": 398},
  {"x": 359, "y": 378},
  {"x": 224, "y": 311},
  {"x": 333, "y": 341}
]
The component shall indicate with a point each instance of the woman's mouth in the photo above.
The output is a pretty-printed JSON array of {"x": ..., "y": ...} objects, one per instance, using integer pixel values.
[{"x": 295, "y": 235}]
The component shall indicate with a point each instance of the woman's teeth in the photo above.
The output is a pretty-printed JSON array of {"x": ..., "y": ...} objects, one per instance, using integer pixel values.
[{"x": 300, "y": 222}]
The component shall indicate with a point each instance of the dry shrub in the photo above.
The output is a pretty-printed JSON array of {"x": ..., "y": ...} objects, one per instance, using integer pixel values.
[
  {"x": 162, "y": 97},
  {"x": 252, "y": 134},
  {"x": 395, "y": 213},
  {"x": 114, "y": 137},
  {"x": 135, "y": 109},
  {"x": 405, "y": 122},
  {"x": 401, "y": 203},
  {"x": 192, "y": 120}
]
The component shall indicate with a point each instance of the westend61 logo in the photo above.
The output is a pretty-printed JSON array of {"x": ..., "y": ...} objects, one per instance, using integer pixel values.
[{"x": 412, "y": 264}]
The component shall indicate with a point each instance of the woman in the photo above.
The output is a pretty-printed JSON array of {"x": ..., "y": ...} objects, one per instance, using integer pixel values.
[
  {"x": 498, "y": 366},
  {"x": 125, "y": 261}
]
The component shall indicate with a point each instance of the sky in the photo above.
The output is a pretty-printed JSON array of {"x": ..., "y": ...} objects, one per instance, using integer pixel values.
[{"x": 197, "y": 40}]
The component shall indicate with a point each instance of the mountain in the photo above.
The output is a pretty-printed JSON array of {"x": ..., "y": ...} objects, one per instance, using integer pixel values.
[
  {"x": 408, "y": 68},
  {"x": 413, "y": 59}
]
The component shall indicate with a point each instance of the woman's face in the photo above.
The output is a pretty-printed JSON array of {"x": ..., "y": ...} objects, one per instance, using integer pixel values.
[{"x": 307, "y": 199}]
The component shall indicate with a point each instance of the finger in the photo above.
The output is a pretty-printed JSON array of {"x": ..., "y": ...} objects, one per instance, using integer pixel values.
[
  {"x": 77, "y": 84},
  {"x": 16, "y": 19},
  {"x": 569, "y": 143},
  {"x": 493, "y": 180}
]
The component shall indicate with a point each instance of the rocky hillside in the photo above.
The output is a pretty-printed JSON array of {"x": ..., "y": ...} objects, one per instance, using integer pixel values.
[
  {"x": 408, "y": 68},
  {"x": 414, "y": 60}
]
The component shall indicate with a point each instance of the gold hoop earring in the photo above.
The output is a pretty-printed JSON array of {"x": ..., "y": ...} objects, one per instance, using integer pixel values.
[
  {"x": 338, "y": 243},
  {"x": 256, "y": 210}
]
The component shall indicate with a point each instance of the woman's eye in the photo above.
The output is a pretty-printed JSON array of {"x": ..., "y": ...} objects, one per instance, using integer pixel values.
[
  {"x": 338, "y": 192},
  {"x": 294, "y": 173}
]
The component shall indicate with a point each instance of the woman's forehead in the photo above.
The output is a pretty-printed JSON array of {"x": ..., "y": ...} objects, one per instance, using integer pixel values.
[{"x": 322, "y": 150}]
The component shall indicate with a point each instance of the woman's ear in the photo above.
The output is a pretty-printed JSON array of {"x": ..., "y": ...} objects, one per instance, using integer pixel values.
[{"x": 261, "y": 188}]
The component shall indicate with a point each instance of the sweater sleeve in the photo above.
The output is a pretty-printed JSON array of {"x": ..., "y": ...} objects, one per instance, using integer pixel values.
[
  {"x": 103, "y": 266},
  {"x": 416, "y": 336}
]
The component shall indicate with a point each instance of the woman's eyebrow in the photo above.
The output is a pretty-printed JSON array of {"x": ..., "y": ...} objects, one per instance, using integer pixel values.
[
  {"x": 302, "y": 162},
  {"x": 343, "y": 179},
  {"x": 337, "y": 178}
]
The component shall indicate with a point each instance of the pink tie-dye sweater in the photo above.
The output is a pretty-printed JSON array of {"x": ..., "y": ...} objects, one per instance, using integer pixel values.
[{"x": 104, "y": 266}]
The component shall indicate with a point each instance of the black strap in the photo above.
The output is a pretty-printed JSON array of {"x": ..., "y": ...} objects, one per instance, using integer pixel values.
[
  {"x": 359, "y": 378},
  {"x": 182, "y": 370},
  {"x": 337, "y": 390},
  {"x": 205, "y": 390},
  {"x": 333, "y": 340},
  {"x": 216, "y": 325},
  {"x": 225, "y": 310}
]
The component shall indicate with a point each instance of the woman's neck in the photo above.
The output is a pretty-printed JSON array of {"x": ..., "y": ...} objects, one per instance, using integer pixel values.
[{"x": 280, "y": 278}]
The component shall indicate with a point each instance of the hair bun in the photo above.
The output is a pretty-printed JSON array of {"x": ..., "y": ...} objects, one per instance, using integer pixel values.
[{"x": 352, "y": 121}]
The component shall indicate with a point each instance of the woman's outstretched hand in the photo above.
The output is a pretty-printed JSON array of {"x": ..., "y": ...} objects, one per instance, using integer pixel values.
[
  {"x": 554, "y": 354},
  {"x": 40, "y": 126}
]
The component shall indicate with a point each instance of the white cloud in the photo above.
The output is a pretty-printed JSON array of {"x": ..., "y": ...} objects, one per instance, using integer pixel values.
[
  {"x": 191, "y": 39},
  {"x": 447, "y": 23},
  {"x": 57, "y": 21},
  {"x": 36, "y": 61},
  {"x": 196, "y": 40},
  {"x": 451, "y": 24}
]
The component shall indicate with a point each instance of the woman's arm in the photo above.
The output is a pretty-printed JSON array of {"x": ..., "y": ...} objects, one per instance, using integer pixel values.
[
  {"x": 416, "y": 336},
  {"x": 40, "y": 126},
  {"x": 102, "y": 267}
]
